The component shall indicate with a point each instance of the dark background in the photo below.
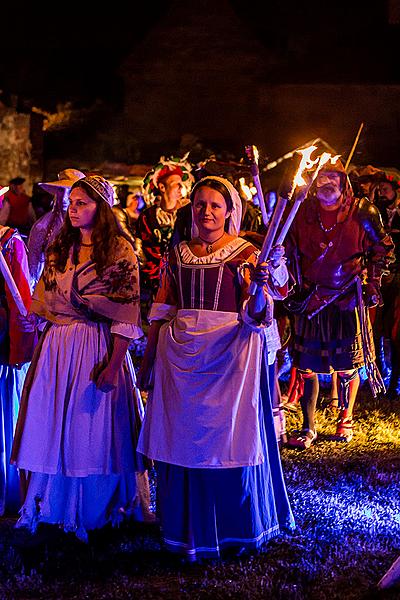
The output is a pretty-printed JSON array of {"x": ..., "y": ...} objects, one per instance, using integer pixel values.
[
  {"x": 48, "y": 57},
  {"x": 76, "y": 55}
]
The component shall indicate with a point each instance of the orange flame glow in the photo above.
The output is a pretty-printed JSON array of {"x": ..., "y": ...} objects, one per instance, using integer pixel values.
[
  {"x": 256, "y": 154},
  {"x": 323, "y": 159},
  {"x": 306, "y": 163},
  {"x": 245, "y": 188}
]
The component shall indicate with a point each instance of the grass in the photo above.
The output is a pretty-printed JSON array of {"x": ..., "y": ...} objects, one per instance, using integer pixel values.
[{"x": 346, "y": 500}]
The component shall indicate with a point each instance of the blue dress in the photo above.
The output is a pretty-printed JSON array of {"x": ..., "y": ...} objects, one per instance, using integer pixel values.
[{"x": 206, "y": 510}]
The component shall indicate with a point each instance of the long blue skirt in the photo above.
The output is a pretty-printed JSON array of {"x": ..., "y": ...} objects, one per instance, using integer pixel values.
[
  {"x": 11, "y": 384},
  {"x": 204, "y": 511}
]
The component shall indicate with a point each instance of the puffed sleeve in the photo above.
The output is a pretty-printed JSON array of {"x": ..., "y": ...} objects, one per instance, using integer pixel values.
[{"x": 126, "y": 330}]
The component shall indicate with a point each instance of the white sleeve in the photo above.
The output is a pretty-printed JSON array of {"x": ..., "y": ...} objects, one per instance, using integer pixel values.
[
  {"x": 162, "y": 312},
  {"x": 126, "y": 330}
]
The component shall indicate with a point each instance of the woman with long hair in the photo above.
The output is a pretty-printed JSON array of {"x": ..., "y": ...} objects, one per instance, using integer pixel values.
[
  {"x": 80, "y": 417},
  {"x": 208, "y": 423}
]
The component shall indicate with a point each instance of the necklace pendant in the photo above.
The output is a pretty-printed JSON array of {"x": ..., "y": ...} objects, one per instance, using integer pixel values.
[{"x": 209, "y": 248}]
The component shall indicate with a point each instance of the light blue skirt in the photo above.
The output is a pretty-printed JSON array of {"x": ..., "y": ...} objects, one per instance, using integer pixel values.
[
  {"x": 204, "y": 511},
  {"x": 11, "y": 385}
]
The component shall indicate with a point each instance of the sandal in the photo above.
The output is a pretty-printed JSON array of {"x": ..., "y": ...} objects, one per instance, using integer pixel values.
[
  {"x": 292, "y": 407},
  {"x": 302, "y": 439},
  {"x": 344, "y": 429},
  {"x": 330, "y": 404}
]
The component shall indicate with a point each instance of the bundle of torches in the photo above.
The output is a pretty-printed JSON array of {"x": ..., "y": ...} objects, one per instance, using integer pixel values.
[{"x": 299, "y": 190}]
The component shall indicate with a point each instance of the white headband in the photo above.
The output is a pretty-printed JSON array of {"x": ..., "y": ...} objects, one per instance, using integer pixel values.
[{"x": 235, "y": 218}]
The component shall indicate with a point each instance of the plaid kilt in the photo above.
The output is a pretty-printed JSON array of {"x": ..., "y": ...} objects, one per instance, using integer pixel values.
[{"x": 330, "y": 341}]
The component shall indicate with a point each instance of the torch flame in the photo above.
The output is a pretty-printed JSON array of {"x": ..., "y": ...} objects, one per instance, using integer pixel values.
[
  {"x": 305, "y": 163},
  {"x": 245, "y": 188},
  {"x": 323, "y": 159},
  {"x": 256, "y": 154}
]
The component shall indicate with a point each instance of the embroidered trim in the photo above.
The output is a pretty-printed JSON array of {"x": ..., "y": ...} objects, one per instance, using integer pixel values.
[
  {"x": 267, "y": 533},
  {"x": 179, "y": 265},
  {"x": 201, "y": 288},
  {"x": 193, "y": 287},
  {"x": 230, "y": 250},
  {"x": 218, "y": 287}
]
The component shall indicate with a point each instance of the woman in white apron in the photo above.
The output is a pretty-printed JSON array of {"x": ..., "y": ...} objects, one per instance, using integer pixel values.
[{"x": 208, "y": 424}]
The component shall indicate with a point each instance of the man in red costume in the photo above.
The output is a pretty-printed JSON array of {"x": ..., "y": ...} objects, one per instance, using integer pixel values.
[
  {"x": 336, "y": 243},
  {"x": 169, "y": 182},
  {"x": 16, "y": 348}
]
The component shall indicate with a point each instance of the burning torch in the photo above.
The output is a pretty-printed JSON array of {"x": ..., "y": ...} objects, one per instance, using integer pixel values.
[
  {"x": 305, "y": 163},
  {"x": 252, "y": 155}
]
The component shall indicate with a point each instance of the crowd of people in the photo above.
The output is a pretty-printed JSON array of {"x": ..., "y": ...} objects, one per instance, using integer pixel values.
[{"x": 180, "y": 257}]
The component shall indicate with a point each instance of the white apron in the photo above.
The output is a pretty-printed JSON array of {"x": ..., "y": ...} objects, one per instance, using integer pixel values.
[{"x": 204, "y": 409}]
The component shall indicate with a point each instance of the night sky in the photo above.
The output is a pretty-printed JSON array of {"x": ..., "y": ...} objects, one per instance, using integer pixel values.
[{"x": 74, "y": 55}]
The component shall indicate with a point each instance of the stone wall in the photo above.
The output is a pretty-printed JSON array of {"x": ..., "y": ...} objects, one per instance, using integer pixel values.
[{"x": 15, "y": 146}]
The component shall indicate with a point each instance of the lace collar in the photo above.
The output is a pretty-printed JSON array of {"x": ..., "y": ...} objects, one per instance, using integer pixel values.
[{"x": 229, "y": 250}]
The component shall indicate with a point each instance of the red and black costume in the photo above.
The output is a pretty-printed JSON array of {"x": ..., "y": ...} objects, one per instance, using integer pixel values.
[
  {"x": 325, "y": 264},
  {"x": 154, "y": 230},
  {"x": 16, "y": 349},
  {"x": 330, "y": 253}
]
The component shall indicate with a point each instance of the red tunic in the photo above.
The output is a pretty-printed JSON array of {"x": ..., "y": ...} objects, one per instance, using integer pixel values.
[{"x": 17, "y": 346}]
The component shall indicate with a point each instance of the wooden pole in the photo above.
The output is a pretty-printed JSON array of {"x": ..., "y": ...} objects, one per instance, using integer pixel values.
[
  {"x": 353, "y": 147},
  {"x": 10, "y": 283}
]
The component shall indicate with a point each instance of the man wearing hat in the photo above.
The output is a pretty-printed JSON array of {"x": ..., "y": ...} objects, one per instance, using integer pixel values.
[
  {"x": 366, "y": 181},
  {"x": 17, "y": 211},
  {"x": 47, "y": 227},
  {"x": 169, "y": 181}
]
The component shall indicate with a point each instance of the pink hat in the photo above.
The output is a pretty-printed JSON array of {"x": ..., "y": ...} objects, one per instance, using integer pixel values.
[{"x": 66, "y": 179}]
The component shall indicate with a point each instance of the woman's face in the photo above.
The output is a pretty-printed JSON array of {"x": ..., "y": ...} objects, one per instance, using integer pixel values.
[
  {"x": 209, "y": 210},
  {"x": 82, "y": 209}
]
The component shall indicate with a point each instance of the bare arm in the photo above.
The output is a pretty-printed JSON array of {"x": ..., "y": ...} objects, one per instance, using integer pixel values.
[
  {"x": 146, "y": 368},
  {"x": 107, "y": 379}
]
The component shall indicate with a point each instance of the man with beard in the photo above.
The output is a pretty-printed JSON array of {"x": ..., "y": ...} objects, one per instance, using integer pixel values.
[
  {"x": 387, "y": 318},
  {"x": 334, "y": 240}
]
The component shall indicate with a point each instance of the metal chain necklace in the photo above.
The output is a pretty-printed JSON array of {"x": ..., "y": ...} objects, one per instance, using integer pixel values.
[
  {"x": 209, "y": 247},
  {"x": 326, "y": 229}
]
